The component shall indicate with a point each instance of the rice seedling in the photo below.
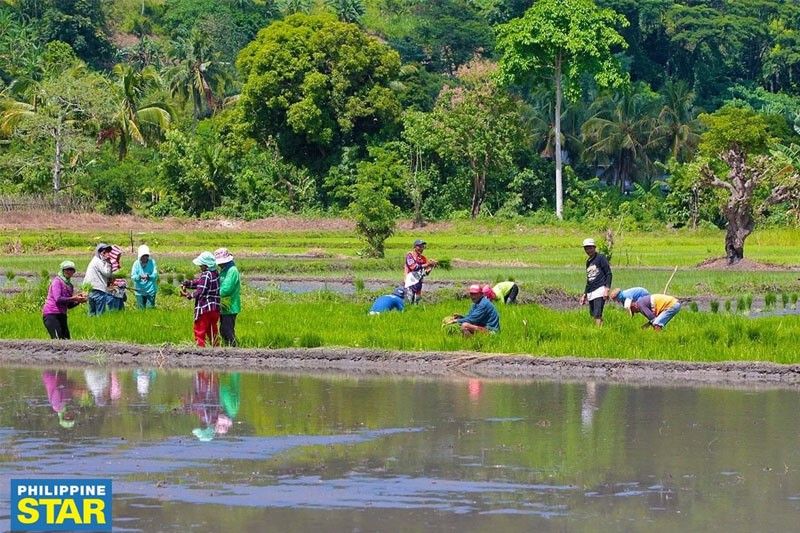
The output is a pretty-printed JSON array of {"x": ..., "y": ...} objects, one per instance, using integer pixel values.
[
  {"x": 693, "y": 307},
  {"x": 748, "y": 302},
  {"x": 770, "y": 299},
  {"x": 741, "y": 304},
  {"x": 785, "y": 300},
  {"x": 359, "y": 284},
  {"x": 728, "y": 305},
  {"x": 10, "y": 275},
  {"x": 715, "y": 306}
]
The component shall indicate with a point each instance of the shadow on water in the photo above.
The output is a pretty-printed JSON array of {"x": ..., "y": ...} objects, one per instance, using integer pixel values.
[{"x": 184, "y": 449}]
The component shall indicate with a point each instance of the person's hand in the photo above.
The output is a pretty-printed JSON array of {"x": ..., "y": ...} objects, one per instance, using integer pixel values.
[
  {"x": 583, "y": 299},
  {"x": 605, "y": 294},
  {"x": 144, "y": 277},
  {"x": 184, "y": 292}
]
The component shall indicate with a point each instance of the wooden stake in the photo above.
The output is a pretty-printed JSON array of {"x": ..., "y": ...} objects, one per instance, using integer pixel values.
[{"x": 670, "y": 280}]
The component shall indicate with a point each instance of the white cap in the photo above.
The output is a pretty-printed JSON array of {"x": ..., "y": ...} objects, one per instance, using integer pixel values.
[
  {"x": 143, "y": 250},
  {"x": 588, "y": 242}
]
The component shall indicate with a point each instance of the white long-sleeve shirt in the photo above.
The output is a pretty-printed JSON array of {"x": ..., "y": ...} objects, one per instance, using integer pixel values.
[{"x": 98, "y": 274}]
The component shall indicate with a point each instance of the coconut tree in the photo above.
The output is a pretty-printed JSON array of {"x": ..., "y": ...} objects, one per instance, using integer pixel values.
[
  {"x": 619, "y": 134},
  {"x": 132, "y": 122},
  {"x": 197, "y": 75},
  {"x": 678, "y": 125}
]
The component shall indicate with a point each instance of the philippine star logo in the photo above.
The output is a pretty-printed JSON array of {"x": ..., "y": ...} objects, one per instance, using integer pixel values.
[{"x": 60, "y": 505}]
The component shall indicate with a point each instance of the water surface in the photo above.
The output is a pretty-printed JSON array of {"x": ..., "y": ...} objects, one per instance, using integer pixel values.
[{"x": 252, "y": 452}]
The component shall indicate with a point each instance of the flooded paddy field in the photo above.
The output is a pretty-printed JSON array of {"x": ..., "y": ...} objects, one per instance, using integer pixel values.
[{"x": 230, "y": 451}]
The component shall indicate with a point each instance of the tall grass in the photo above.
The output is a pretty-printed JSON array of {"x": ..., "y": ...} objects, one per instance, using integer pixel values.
[{"x": 526, "y": 329}]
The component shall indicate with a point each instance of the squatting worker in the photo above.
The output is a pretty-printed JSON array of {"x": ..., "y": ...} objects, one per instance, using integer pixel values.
[
  {"x": 205, "y": 293},
  {"x": 482, "y": 316},
  {"x": 417, "y": 267},
  {"x": 658, "y": 308},
  {"x": 60, "y": 298},
  {"x": 628, "y": 296},
  {"x": 598, "y": 281},
  {"x": 100, "y": 274},
  {"x": 230, "y": 293},
  {"x": 505, "y": 292},
  {"x": 389, "y": 302},
  {"x": 144, "y": 274}
]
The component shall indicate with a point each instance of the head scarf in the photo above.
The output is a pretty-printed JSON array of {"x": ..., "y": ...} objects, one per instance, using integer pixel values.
[{"x": 62, "y": 267}]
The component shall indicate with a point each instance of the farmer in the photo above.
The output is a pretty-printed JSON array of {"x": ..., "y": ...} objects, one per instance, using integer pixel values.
[
  {"x": 598, "y": 281},
  {"x": 230, "y": 291},
  {"x": 144, "y": 275},
  {"x": 505, "y": 292},
  {"x": 60, "y": 298},
  {"x": 658, "y": 308},
  {"x": 628, "y": 296},
  {"x": 206, "y": 299},
  {"x": 60, "y": 394},
  {"x": 389, "y": 302},
  {"x": 482, "y": 316},
  {"x": 417, "y": 267},
  {"x": 100, "y": 276}
]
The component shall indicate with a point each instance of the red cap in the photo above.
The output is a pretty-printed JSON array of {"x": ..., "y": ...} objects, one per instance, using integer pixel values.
[
  {"x": 488, "y": 292},
  {"x": 474, "y": 289}
]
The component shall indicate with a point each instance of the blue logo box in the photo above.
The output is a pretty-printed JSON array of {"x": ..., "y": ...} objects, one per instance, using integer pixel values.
[{"x": 60, "y": 505}]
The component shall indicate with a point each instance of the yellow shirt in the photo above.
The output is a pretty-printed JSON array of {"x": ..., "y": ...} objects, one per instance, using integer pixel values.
[{"x": 662, "y": 302}]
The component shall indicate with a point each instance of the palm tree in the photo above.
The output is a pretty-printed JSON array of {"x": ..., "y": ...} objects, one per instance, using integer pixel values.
[
  {"x": 197, "y": 76},
  {"x": 290, "y": 7},
  {"x": 619, "y": 135},
  {"x": 677, "y": 121},
  {"x": 132, "y": 123}
]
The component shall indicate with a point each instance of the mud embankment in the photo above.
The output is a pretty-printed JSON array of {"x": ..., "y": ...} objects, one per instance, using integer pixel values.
[{"x": 379, "y": 362}]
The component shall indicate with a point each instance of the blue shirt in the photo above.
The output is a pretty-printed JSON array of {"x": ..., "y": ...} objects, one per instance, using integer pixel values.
[
  {"x": 483, "y": 314},
  {"x": 633, "y": 294},
  {"x": 148, "y": 286},
  {"x": 385, "y": 303}
]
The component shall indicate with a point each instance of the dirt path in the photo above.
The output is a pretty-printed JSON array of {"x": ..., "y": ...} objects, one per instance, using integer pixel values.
[{"x": 371, "y": 362}]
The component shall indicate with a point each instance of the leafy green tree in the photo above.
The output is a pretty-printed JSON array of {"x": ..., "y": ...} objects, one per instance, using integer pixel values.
[
  {"x": 347, "y": 10},
  {"x": 292, "y": 7},
  {"x": 419, "y": 144},
  {"x": 619, "y": 135},
  {"x": 133, "y": 122},
  {"x": 198, "y": 76},
  {"x": 316, "y": 84},
  {"x": 478, "y": 126},
  {"x": 67, "y": 110},
  {"x": 374, "y": 214},
  {"x": 82, "y": 25},
  {"x": 740, "y": 140},
  {"x": 558, "y": 42}
]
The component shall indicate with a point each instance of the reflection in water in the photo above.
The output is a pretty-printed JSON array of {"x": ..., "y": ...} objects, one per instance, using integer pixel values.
[{"x": 330, "y": 453}]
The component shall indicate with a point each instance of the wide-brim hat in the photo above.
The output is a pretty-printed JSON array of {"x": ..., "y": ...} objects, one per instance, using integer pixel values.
[
  {"x": 143, "y": 250},
  {"x": 588, "y": 242},
  {"x": 205, "y": 259},
  {"x": 222, "y": 256}
]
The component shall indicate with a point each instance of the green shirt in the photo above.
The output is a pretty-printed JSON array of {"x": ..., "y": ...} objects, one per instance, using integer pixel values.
[
  {"x": 502, "y": 289},
  {"x": 230, "y": 291}
]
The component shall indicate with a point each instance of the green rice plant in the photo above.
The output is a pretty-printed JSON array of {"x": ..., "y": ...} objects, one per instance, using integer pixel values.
[
  {"x": 741, "y": 305},
  {"x": 309, "y": 340},
  {"x": 785, "y": 300},
  {"x": 770, "y": 299},
  {"x": 715, "y": 306},
  {"x": 748, "y": 301},
  {"x": 693, "y": 307},
  {"x": 10, "y": 275},
  {"x": 359, "y": 285},
  {"x": 794, "y": 299},
  {"x": 444, "y": 264}
]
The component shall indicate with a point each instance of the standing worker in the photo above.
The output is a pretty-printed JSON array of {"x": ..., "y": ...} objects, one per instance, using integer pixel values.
[
  {"x": 598, "y": 281},
  {"x": 658, "y": 308},
  {"x": 206, "y": 299},
  {"x": 99, "y": 274},
  {"x": 60, "y": 298},
  {"x": 230, "y": 293},
  {"x": 417, "y": 267},
  {"x": 144, "y": 275}
]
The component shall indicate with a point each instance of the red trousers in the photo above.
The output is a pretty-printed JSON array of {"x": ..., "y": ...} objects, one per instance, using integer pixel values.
[{"x": 207, "y": 325}]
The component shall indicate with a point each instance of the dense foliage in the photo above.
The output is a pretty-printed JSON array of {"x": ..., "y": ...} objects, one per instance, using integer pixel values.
[{"x": 248, "y": 108}]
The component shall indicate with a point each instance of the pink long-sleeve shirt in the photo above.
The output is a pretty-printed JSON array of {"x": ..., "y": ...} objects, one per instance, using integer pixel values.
[{"x": 58, "y": 298}]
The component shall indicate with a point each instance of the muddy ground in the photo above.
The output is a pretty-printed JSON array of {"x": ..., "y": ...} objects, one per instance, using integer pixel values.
[{"x": 354, "y": 361}]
